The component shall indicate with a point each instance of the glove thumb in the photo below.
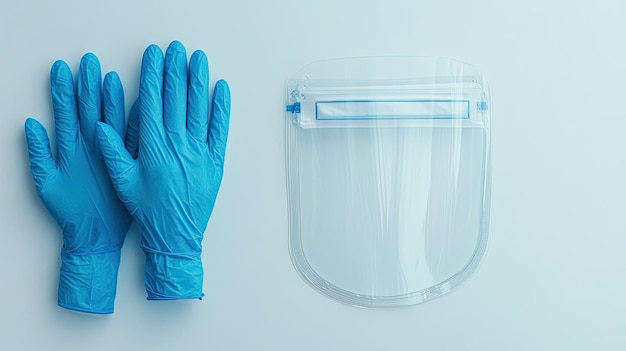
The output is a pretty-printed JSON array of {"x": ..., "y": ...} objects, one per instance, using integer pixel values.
[
  {"x": 119, "y": 163},
  {"x": 42, "y": 165}
]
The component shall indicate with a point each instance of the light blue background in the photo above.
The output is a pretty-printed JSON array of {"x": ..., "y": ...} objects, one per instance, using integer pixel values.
[{"x": 553, "y": 277}]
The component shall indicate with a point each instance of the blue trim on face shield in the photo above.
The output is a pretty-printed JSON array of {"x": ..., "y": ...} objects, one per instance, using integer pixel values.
[{"x": 392, "y": 109}]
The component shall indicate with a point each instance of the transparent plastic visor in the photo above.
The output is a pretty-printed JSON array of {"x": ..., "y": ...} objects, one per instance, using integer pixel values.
[{"x": 388, "y": 177}]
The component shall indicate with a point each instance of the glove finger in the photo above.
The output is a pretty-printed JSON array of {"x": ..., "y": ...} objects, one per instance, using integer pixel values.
[
  {"x": 151, "y": 100},
  {"x": 175, "y": 88},
  {"x": 113, "y": 100},
  {"x": 198, "y": 96},
  {"x": 65, "y": 113},
  {"x": 42, "y": 164},
  {"x": 218, "y": 124},
  {"x": 120, "y": 165},
  {"x": 132, "y": 131},
  {"x": 89, "y": 98}
]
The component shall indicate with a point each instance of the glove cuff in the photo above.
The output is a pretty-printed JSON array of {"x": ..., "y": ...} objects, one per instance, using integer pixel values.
[
  {"x": 170, "y": 276},
  {"x": 87, "y": 282}
]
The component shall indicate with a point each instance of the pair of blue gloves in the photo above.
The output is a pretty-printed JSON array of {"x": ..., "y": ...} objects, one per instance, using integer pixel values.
[{"x": 165, "y": 176}]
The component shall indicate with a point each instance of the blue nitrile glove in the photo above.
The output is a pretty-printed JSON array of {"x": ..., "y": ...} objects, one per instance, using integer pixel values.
[
  {"x": 171, "y": 187},
  {"x": 76, "y": 188}
]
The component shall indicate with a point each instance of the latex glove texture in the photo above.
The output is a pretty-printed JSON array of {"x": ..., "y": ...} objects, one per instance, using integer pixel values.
[
  {"x": 172, "y": 185},
  {"x": 76, "y": 188}
]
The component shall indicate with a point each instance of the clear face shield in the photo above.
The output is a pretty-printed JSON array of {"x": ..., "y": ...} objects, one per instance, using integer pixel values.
[{"x": 388, "y": 169}]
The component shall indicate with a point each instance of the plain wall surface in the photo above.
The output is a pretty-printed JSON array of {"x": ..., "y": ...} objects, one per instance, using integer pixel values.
[{"x": 553, "y": 277}]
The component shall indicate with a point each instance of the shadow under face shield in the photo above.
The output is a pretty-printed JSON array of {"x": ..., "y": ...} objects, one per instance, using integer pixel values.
[{"x": 388, "y": 171}]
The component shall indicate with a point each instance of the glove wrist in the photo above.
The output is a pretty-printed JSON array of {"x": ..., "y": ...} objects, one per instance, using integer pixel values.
[
  {"x": 88, "y": 282},
  {"x": 172, "y": 276}
]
